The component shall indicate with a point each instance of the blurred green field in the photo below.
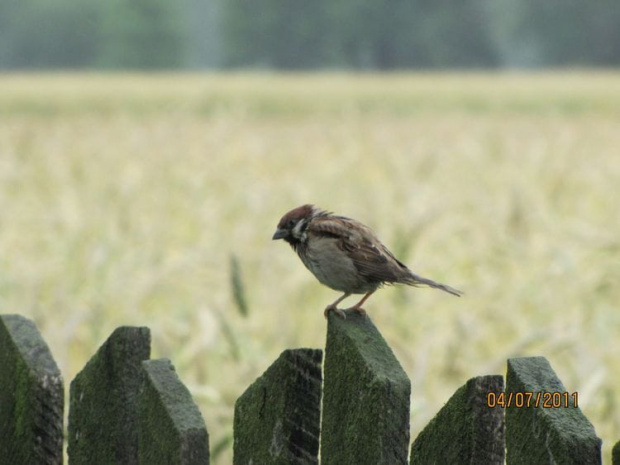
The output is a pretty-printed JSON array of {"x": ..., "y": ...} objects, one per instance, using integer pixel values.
[{"x": 124, "y": 199}]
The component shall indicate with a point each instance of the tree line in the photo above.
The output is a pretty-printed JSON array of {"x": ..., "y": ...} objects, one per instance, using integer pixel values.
[{"x": 302, "y": 34}]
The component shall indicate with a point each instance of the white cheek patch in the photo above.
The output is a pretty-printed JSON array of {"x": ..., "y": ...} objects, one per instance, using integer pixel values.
[{"x": 299, "y": 232}]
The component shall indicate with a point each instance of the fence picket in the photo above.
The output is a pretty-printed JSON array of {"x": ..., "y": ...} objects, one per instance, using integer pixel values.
[
  {"x": 31, "y": 396},
  {"x": 466, "y": 430},
  {"x": 277, "y": 417},
  {"x": 103, "y": 424},
  {"x": 171, "y": 430},
  {"x": 366, "y": 396},
  {"x": 541, "y": 434}
]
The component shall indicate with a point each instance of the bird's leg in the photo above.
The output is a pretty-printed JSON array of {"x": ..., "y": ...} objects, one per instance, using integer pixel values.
[
  {"x": 332, "y": 307},
  {"x": 358, "y": 306}
]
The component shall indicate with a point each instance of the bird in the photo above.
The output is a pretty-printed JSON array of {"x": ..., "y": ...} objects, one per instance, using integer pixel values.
[{"x": 346, "y": 256}]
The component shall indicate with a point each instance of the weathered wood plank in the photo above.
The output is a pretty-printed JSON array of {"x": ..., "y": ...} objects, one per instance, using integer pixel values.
[
  {"x": 366, "y": 396},
  {"x": 103, "y": 422},
  {"x": 31, "y": 396},
  {"x": 277, "y": 419},
  {"x": 171, "y": 428},
  {"x": 541, "y": 435},
  {"x": 615, "y": 454},
  {"x": 465, "y": 431}
]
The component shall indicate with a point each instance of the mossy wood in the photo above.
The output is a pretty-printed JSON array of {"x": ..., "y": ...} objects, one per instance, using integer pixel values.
[
  {"x": 277, "y": 419},
  {"x": 103, "y": 422},
  {"x": 31, "y": 396},
  {"x": 545, "y": 434},
  {"x": 366, "y": 396},
  {"x": 615, "y": 454},
  {"x": 465, "y": 431},
  {"x": 171, "y": 430},
  {"x": 126, "y": 409}
]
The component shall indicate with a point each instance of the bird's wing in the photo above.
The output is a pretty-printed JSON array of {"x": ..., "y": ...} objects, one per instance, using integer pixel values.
[{"x": 371, "y": 258}]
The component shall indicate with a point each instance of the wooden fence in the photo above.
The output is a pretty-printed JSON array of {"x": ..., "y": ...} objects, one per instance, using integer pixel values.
[{"x": 127, "y": 409}]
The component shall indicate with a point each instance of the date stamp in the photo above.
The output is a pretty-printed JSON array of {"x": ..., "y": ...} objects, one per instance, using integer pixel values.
[{"x": 532, "y": 399}]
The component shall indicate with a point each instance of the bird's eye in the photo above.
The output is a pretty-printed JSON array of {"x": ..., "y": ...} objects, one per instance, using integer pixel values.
[{"x": 290, "y": 224}]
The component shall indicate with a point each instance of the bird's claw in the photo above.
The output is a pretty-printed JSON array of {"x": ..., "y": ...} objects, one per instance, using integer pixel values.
[
  {"x": 337, "y": 311},
  {"x": 341, "y": 313}
]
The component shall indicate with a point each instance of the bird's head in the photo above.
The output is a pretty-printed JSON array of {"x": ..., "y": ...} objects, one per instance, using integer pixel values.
[{"x": 292, "y": 226}]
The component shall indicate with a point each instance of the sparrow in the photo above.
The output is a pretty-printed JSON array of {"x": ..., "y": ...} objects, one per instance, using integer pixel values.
[{"x": 345, "y": 255}]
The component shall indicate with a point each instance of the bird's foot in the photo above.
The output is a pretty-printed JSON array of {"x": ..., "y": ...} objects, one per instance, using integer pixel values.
[
  {"x": 359, "y": 310},
  {"x": 336, "y": 310}
]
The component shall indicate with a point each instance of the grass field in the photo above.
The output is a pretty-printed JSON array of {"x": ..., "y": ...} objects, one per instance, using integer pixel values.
[{"x": 125, "y": 198}]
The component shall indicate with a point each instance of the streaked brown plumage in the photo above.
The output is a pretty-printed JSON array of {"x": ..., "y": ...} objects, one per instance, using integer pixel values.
[{"x": 345, "y": 255}]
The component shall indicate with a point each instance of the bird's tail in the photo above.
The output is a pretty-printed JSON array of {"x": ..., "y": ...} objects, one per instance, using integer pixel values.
[{"x": 414, "y": 280}]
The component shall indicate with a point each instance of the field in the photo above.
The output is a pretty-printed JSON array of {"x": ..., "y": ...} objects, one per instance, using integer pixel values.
[{"x": 127, "y": 199}]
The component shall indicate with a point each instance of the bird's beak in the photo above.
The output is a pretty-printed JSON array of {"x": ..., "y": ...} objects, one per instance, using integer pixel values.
[{"x": 280, "y": 234}]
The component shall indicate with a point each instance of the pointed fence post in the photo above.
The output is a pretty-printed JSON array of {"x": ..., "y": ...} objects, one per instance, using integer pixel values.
[
  {"x": 366, "y": 396},
  {"x": 277, "y": 418},
  {"x": 171, "y": 428},
  {"x": 31, "y": 396},
  {"x": 466, "y": 430},
  {"x": 103, "y": 422},
  {"x": 545, "y": 431},
  {"x": 615, "y": 454}
]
